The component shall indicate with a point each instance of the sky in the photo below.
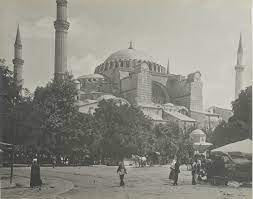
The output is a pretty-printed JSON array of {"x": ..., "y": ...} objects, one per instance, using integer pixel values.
[{"x": 193, "y": 34}]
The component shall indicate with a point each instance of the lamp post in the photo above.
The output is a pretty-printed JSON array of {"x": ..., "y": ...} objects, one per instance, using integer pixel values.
[{"x": 15, "y": 117}]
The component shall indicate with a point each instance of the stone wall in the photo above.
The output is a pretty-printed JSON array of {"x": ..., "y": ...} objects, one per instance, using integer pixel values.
[
  {"x": 196, "y": 100},
  {"x": 186, "y": 91},
  {"x": 205, "y": 120},
  {"x": 144, "y": 87},
  {"x": 225, "y": 114},
  {"x": 161, "y": 78},
  {"x": 128, "y": 88},
  {"x": 180, "y": 92}
]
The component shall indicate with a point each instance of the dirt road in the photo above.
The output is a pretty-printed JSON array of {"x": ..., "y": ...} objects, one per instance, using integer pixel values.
[{"x": 144, "y": 183}]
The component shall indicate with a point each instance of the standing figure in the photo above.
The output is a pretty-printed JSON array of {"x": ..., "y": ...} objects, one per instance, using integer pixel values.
[
  {"x": 54, "y": 162},
  {"x": 35, "y": 180},
  {"x": 172, "y": 170},
  {"x": 177, "y": 171},
  {"x": 121, "y": 171},
  {"x": 194, "y": 172}
]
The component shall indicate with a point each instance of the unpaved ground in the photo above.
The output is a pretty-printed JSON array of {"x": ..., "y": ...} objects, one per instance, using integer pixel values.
[{"x": 102, "y": 182}]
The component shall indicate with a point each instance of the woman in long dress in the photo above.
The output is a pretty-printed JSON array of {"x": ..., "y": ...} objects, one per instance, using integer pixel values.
[{"x": 35, "y": 179}]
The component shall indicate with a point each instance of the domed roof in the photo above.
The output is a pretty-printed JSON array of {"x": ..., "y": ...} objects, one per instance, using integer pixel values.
[
  {"x": 91, "y": 76},
  {"x": 197, "y": 132},
  {"x": 106, "y": 97},
  {"x": 112, "y": 97},
  {"x": 130, "y": 54}
]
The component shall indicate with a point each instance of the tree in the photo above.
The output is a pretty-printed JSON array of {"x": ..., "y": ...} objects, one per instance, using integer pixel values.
[
  {"x": 242, "y": 107},
  {"x": 239, "y": 126},
  {"x": 124, "y": 130},
  {"x": 16, "y": 102},
  {"x": 54, "y": 108},
  {"x": 172, "y": 141}
]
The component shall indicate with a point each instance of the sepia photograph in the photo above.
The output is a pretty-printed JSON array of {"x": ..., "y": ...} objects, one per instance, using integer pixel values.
[{"x": 126, "y": 99}]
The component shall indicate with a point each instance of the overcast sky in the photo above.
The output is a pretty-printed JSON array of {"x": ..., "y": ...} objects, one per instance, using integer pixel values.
[{"x": 194, "y": 34}]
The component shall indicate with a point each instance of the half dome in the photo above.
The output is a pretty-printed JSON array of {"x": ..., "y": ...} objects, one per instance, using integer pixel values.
[{"x": 90, "y": 76}]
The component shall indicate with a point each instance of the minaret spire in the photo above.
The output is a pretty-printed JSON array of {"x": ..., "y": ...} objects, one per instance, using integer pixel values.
[
  {"x": 240, "y": 51},
  {"x": 18, "y": 38},
  {"x": 61, "y": 30},
  {"x": 239, "y": 68},
  {"x": 168, "y": 67},
  {"x": 130, "y": 45},
  {"x": 18, "y": 61}
]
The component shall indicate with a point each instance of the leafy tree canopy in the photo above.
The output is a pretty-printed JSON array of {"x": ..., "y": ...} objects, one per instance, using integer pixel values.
[{"x": 239, "y": 126}]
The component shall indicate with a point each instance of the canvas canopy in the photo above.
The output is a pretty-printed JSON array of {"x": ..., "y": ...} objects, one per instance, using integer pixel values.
[{"x": 244, "y": 147}]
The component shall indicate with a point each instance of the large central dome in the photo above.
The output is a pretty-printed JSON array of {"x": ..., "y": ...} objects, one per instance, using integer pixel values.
[
  {"x": 130, "y": 54},
  {"x": 127, "y": 59}
]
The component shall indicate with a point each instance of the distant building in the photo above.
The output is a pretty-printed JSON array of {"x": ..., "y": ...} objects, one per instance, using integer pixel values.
[{"x": 225, "y": 114}]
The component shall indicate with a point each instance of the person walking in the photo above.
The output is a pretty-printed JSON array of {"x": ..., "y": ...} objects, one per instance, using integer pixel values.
[
  {"x": 177, "y": 171},
  {"x": 172, "y": 170},
  {"x": 35, "y": 180},
  {"x": 121, "y": 171}
]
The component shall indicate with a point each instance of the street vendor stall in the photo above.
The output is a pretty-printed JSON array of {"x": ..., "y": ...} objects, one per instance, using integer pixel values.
[{"x": 238, "y": 159}]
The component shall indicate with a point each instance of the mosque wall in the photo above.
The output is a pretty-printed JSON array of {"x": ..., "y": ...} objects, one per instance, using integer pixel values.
[
  {"x": 144, "y": 86},
  {"x": 161, "y": 78},
  {"x": 196, "y": 102},
  {"x": 89, "y": 86},
  {"x": 180, "y": 92},
  {"x": 128, "y": 88}
]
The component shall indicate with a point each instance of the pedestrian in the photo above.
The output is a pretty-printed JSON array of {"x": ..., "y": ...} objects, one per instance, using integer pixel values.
[
  {"x": 172, "y": 170},
  {"x": 121, "y": 171},
  {"x": 54, "y": 162},
  {"x": 177, "y": 171},
  {"x": 194, "y": 172},
  {"x": 35, "y": 180}
]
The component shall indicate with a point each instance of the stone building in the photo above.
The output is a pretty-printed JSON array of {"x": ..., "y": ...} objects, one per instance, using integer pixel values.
[
  {"x": 132, "y": 75},
  {"x": 135, "y": 76},
  {"x": 225, "y": 114}
]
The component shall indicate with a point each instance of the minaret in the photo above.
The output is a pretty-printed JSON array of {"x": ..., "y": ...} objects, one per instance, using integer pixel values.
[
  {"x": 130, "y": 45},
  {"x": 239, "y": 69},
  {"x": 61, "y": 30},
  {"x": 18, "y": 61},
  {"x": 168, "y": 67}
]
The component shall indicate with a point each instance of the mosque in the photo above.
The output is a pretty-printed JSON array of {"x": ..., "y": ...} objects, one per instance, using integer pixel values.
[{"x": 131, "y": 76}]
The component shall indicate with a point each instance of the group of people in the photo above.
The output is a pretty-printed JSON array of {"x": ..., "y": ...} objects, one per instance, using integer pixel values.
[
  {"x": 199, "y": 168},
  {"x": 173, "y": 174}
]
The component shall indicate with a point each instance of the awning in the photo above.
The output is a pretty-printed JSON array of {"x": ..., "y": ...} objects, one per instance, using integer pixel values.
[{"x": 244, "y": 146}]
